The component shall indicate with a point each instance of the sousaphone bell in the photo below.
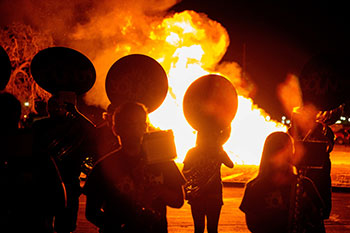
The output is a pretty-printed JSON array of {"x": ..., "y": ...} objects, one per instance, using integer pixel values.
[
  {"x": 140, "y": 78},
  {"x": 137, "y": 78},
  {"x": 210, "y": 103},
  {"x": 65, "y": 73},
  {"x": 61, "y": 69},
  {"x": 5, "y": 68}
]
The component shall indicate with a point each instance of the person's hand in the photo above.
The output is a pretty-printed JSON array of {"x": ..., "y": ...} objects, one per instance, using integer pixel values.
[{"x": 225, "y": 159}]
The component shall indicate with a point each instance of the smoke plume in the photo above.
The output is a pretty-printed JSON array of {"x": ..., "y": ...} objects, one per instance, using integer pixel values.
[{"x": 107, "y": 30}]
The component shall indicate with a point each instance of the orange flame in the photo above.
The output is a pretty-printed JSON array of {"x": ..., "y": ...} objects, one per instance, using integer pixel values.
[
  {"x": 188, "y": 45},
  {"x": 195, "y": 47}
]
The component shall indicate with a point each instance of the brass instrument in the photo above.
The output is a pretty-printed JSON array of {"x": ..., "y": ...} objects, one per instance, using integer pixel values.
[
  {"x": 57, "y": 69},
  {"x": 5, "y": 68},
  {"x": 312, "y": 164},
  {"x": 298, "y": 222},
  {"x": 65, "y": 73},
  {"x": 65, "y": 143},
  {"x": 137, "y": 78},
  {"x": 210, "y": 102}
]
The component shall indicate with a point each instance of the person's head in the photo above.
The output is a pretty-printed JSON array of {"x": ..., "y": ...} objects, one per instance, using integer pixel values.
[
  {"x": 130, "y": 123},
  {"x": 11, "y": 111},
  {"x": 277, "y": 155},
  {"x": 62, "y": 103},
  {"x": 55, "y": 108}
]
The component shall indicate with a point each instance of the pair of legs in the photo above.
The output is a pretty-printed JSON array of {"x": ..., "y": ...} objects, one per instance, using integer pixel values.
[{"x": 208, "y": 209}]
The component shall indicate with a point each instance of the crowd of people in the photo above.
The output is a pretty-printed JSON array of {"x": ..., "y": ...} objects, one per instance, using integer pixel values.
[{"x": 41, "y": 165}]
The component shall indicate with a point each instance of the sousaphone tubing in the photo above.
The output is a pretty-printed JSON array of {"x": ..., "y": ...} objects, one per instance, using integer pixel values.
[
  {"x": 58, "y": 69},
  {"x": 210, "y": 102},
  {"x": 138, "y": 78},
  {"x": 5, "y": 68}
]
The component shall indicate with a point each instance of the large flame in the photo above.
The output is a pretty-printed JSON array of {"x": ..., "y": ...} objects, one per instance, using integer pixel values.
[
  {"x": 194, "y": 51},
  {"x": 187, "y": 44}
]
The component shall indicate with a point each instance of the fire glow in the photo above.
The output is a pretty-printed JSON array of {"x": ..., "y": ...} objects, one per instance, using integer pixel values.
[
  {"x": 192, "y": 57},
  {"x": 188, "y": 45}
]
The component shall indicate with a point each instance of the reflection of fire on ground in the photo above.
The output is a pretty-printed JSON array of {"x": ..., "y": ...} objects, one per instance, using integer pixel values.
[
  {"x": 340, "y": 172},
  {"x": 187, "y": 44}
]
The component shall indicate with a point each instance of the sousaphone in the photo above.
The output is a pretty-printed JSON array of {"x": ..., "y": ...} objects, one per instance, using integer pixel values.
[
  {"x": 66, "y": 73},
  {"x": 138, "y": 78},
  {"x": 210, "y": 102},
  {"x": 5, "y": 68},
  {"x": 61, "y": 69}
]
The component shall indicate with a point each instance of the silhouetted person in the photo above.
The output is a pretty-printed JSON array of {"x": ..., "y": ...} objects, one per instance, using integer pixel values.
[
  {"x": 124, "y": 193},
  {"x": 18, "y": 211},
  {"x": 63, "y": 141},
  {"x": 267, "y": 198},
  {"x": 202, "y": 169},
  {"x": 310, "y": 129}
]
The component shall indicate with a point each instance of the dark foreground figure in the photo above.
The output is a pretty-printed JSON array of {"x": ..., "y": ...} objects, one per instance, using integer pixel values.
[
  {"x": 124, "y": 193},
  {"x": 279, "y": 199},
  {"x": 19, "y": 211},
  {"x": 202, "y": 169},
  {"x": 61, "y": 143}
]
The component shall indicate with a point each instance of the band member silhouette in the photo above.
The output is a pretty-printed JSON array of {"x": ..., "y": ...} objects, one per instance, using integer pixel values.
[
  {"x": 124, "y": 193},
  {"x": 62, "y": 142},
  {"x": 202, "y": 169}
]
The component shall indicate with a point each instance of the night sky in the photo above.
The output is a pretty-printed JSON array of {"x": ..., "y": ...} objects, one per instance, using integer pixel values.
[{"x": 280, "y": 37}]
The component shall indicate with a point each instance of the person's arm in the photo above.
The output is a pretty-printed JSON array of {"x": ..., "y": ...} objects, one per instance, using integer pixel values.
[
  {"x": 226, "y": 159},
  {"x": 173, "y": 197},
  {"x": 248, "y": 207},
  {"x": 188, "y": 161},
  {"x": 171, "y": 191}
]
